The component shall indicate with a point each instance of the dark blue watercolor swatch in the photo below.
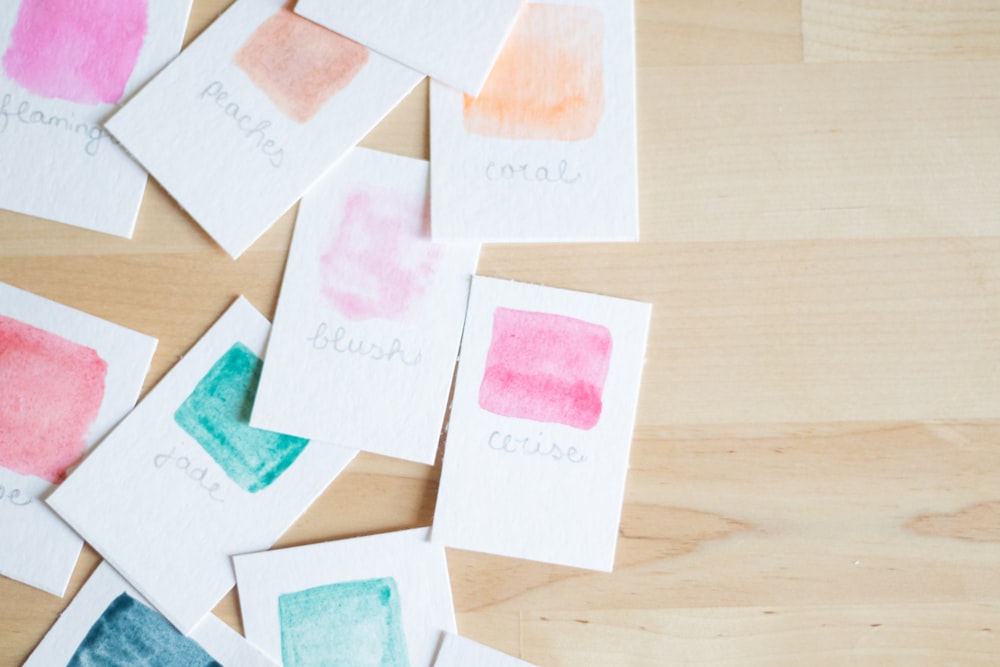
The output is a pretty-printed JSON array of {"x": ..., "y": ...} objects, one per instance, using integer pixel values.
[
  {"x": 130, "y": 634},
  {"x": 217, "y": 415},
  {"x": 352, "y": 624}
]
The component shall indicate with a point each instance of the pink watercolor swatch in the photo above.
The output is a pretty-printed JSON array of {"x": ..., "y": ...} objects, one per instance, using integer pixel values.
[
  {"x": 381, "y": 259},
  {"x": 545, "y": 367},
  {"x": 77, "y": 50},
  {"x": 51, "y": 390}
]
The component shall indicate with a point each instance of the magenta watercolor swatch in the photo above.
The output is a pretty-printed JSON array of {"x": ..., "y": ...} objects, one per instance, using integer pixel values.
[
  {"x": 76, "y": 50},
  {"x": 51, "y": 390},
  {"x": 545, "y": 367},
  {"x": 381, "y": 260}
]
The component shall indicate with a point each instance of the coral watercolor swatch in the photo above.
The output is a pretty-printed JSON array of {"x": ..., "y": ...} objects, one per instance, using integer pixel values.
[
  {"x": 547, "y": 151},
  {"x": 299, "y": 64},
  {"x": 66, "y": 378},
  {"x": 51, "y": 390},
  {"x": 77, "y": 51},
  {"x": 548, "y": 82},
  {"x": 537, "y": 446}
]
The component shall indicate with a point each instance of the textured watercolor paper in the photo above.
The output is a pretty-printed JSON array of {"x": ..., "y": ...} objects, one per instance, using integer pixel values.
[
  {"x": 547, "y": 150},
  {"x": 66, "y": 378},
  {"x": 461, "y": 652},
  {"x": 366, "y": 333},
  {"x": 65, "y": 65},
  {"x": 109, "y": 624},
  {"x": 184, "y": 482},
  {"x": 453, "y": 41},
  {"x": 260, "y": 106},
  {"x": 541, "y": 424},
  {"x": 377, "y": 600}
]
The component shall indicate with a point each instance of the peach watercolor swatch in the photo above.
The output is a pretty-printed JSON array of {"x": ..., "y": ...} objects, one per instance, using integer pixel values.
[
  {"x": 548, "y": 82},
  {"x": 80, "y": 51},
  {"x": 546, "y": 367},
  {"x": 298, "y": 64},
  {"x": 51, "y": 390},
  {"x": 381, "y": 259}
]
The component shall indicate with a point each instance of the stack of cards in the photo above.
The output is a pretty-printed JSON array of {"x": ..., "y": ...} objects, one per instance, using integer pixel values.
[{"x": 533, "y": 138}]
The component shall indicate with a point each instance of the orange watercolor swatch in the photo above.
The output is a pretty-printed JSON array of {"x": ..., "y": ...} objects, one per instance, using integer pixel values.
[
  {"x": 548, "y": 82},
  {"x": 298, "y": 64}
]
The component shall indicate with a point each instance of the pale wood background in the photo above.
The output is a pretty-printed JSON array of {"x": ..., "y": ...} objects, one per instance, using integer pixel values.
[{"x": 816, "y": 461}]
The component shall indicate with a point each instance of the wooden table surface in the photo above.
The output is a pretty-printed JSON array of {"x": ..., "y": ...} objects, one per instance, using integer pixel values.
[{"x": 814, "y": 474}]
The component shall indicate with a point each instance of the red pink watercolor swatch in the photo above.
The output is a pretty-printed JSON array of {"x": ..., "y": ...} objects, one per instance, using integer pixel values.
[
  {"x": 375, "y": 266},
  {"x": 51, "y": 390},
  {"x": 299, "y": 65},
  {"x": 548, "y": 82},
  {"x": 545, "y": 367},
  {"x": 76, "y": 51}
]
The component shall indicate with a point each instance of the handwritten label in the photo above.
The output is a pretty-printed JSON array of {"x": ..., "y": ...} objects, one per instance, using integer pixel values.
[
  {"x": 531, "y": 173},
  {"x": 540, "y": 446},
  {"x": 183, "y": 464},
  {"x": 14, "y": 497},
  {"x": 342, "y": 343},
  {"x": 22, "y": 114},
  {"x": 256, "y": 134}
]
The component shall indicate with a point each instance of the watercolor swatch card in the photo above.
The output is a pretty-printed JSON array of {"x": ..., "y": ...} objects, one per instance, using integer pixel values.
[
  {"x": 260, "y": 105},
  {"x": 380, "y": 600},
  {"x": 541, "y": 424},
  {"x": 184, "y": 482},
  {"x": 453, "y": 41},
  {"x": 66, "y": 378},
  {"x": 110, "y": 624},
  {"x": 366, "y": 333},
  {"x": 461, "y": 652},
  {"x": 547, "y": 150},
  {"x": 64, "y": 67}
]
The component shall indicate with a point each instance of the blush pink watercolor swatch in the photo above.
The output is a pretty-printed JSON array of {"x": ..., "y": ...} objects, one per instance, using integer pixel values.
[
  {"x": 298, "y": 64},
  {"x": 80, "y": 51},
  {"x": 381, "y": 260},
  {"x": 545, "y": 367},
  {"x": 51, "y": 390}
]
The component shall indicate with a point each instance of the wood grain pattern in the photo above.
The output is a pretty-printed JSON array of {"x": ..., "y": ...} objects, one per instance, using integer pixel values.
[
  {"x": 823, "y": 151},
  {"x": 813, "y": 475},
  {"x": 900, "y": 30}
]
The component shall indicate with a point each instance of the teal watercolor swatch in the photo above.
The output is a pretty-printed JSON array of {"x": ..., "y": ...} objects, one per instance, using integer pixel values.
[
  {"x": 129, "y": 633},
  {"x": 217, "y": 415},
  {"x": 352, "y": 624}
]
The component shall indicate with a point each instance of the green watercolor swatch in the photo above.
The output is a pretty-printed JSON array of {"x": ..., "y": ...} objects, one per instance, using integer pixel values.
[
  {"x": 217, "y": 415},
  {"x": 352, "y": 624}
]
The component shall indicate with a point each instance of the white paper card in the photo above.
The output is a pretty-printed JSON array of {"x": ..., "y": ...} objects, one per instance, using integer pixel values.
[
  {"x": 541, "y": 424},
  {"x": 109, "y": 623},
  {"x": 368, "y": 324},
  {"x": 184, "y": 482},
  {"x": 64, "y": 66},
  {"x": 547, "y": 151},
  {"x": 259, "y": 106},
  {"x": 461, "y": 652},
  {"x": 378, "y": 600},
  {"x": 66, "y": 378},
  {"x": 453, "y": 41}
]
